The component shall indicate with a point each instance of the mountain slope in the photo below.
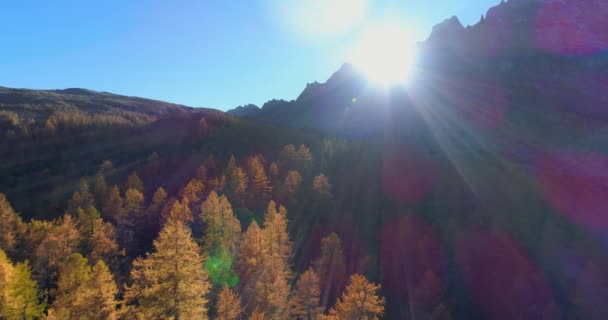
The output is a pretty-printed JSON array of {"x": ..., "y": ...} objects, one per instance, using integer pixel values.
[{"x": 23, "y": 105}]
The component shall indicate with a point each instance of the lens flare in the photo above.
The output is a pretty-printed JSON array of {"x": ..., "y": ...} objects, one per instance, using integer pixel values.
[{"x": 386, "y": 53}]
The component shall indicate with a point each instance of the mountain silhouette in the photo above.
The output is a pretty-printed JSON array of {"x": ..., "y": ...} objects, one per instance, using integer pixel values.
[{"x": 512, "y": 64}]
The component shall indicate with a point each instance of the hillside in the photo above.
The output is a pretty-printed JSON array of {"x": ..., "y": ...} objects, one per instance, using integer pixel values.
[{"x": 27, "y": 106}]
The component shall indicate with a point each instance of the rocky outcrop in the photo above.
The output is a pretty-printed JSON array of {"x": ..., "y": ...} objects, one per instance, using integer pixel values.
[{"x": 522, "y": 27}]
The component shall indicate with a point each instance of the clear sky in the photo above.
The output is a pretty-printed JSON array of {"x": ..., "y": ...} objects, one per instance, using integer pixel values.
[{"x": 201, "y": 53}]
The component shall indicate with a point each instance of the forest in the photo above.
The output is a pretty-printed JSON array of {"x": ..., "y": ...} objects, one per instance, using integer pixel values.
[{"x": 182, "y": 256}]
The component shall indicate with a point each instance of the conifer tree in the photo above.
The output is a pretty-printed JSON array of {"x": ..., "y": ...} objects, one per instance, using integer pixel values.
[
  {"x": 129, "y": 223},
  {"x": 288, "y": 157},
  {"x": 305, "y": 301},
  {"x": 69, "y": 302},
  {"x": 223, "y": 228},
  {"x": 12, "y": 227},
  {"x": 149, "y": 228},
  {"x": 360, "y": 300},
  {"x": 134, "y": 206},
  {"x": 22, "y": 301},
  {"x": 134, "y": 182},
  {"x": 84, "y": 292},
  {"x": 228, "y": 305},
  {"x": 35, "y": 234},
  {"x": 82, "y": 198},
  {"x": 156, "y": 205},
  {"x": 270, "y": 287},
  {"x": 259, "y": 184},
  {"x": 304, "y": 158},
  {"x": 273, "y": 172},
  {"x": 250, "y": 255},
  {"x": 321, "y": 188},
  {"x": 113, "y": 206},
  {"x": 192, "y": 192},
  {"x": 331, "y": 268},
  {"x": 170, "y": 282},
  {"x": 101, "y": 293},
  {"x": 180, "y": 211},
  {"x": 292, "y": 183},
  {"x": 231, "y": 166},
  {"x": 102, "y": 245},
  {"x": 258, "y": 314},
  {"x": 275, "y": 235},
  {"x": 6, "y": 272},
  {"x": 101, "y": 188},
  {"x": 85, "y": 219},
  {"x": 61, "y": 241},
  {"x": 236, "y": 183},
  {"x": 271, "y": 290}
]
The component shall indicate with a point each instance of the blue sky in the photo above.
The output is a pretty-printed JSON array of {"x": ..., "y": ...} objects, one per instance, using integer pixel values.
[{"x": 202, "y": 53}]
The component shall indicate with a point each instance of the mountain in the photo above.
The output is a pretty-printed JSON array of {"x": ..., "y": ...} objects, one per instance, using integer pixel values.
[
  {"x": 30, "y": 106},
  {"x": 244, "y": 111},
  {"x": 524, "y": 27},
  {"x": 513, "y": 64}
]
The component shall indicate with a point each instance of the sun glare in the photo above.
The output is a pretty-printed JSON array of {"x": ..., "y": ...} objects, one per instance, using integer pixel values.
[{"x": 386, "y": 54}]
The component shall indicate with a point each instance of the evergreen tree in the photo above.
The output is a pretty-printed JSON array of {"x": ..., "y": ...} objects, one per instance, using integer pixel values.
[
  {"x": 6, "y": 273},
  {"x": 134, "y": 182},
  {"x": 152, "y": 224},
  {"x": 85, "y": 219},
  {"x": 270, "y": 288},
  {"x": 360, "y": 301},
  {"x": 101, "y": 293},
  {"x": 259, "y": 184},
  {"x": 84, "y": 292},
  {"x": 101, "y": 188},
  {"x": 113, "y": 205},
  {"x": 231, "y": 166},
  {"x": 102, "y": 245},
  {"x": 304, "y": 158},
  {"x": 12, "y": 227},
  {"x": 292, "y": 183},
  {"x": 82, "y": 198},
  {"x": 180, "y": 211},
  {"x": 223, "y": 228},
  {"x": 134, "y": 206},
  {"x": 61, "y": 241},
  {"x": 158, "y": 201},
  {"x": 228, "y": 305},
  {"x": 331, "y": 268},
  {"x": 22, "y": 300},
  {"x": 35, "y": 234},
  {"x": 288, "y": 156},
  {"x": 275, "y": 235},
  {"x": 257, "y": 314},
  {"x": 250, "y": 256},
  {"x": 236, "y": 183},
  {"x": 170, "y": 282},
  {"x": 273, "y": 172},
  {"x": 192, "y": 192},
  {"x": 321, "y": 188},
  {"x": 70, "y": 302},
  {"x": 305, "y": 301},
  {"x": 130, "y": 222}
]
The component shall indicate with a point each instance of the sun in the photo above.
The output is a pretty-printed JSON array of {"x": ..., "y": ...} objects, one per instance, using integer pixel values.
[{"x": 386, "y": 53}]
